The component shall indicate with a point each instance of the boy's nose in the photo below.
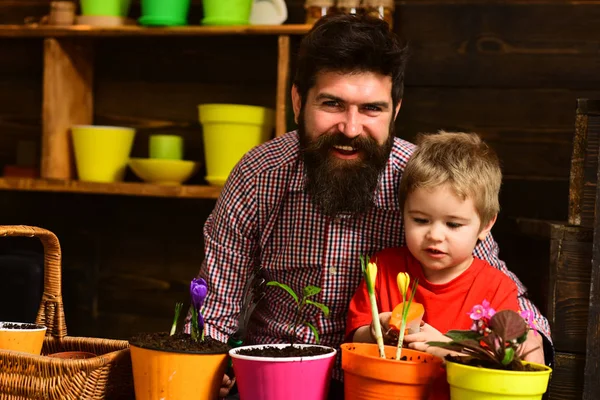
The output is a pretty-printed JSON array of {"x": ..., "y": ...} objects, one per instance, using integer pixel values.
[{"x": 435, "y": 233}]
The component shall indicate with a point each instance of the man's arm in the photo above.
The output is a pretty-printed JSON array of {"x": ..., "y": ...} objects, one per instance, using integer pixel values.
[
  {"x": 488, "y": 250},
  {"x": 230, "y": 254}
]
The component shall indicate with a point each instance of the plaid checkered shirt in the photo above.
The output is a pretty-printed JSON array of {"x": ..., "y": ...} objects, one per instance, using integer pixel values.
[{"x": 265, "y": 218}]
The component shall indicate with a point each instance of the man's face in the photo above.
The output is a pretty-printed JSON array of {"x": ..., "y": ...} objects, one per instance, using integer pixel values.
[{"x": 346, "y": 134}]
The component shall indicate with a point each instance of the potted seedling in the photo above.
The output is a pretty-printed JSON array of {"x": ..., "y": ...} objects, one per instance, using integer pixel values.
[
  {"x": 286, "y": 371},
  {"x": 177, "y": 365},
  {"x": 492, "y": 365},
  {"x": 377, "y": 371}
]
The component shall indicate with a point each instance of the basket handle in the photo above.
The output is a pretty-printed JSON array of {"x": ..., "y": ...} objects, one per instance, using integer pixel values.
[{"x": 51, "y": 312}]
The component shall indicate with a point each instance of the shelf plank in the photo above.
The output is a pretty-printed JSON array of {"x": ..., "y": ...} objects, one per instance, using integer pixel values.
[
  {"x": 120, "y": 188},
  {"x": 21, "y": 31}
]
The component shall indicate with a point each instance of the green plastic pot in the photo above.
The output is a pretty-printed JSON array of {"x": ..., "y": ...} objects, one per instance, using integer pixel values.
[
  {"x": 226, "y": 12},
  {"x": 113, "y": 8},
  {"x": 164, "y": 12}
]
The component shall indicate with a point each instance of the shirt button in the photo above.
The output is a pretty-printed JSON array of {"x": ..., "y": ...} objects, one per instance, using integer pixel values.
[{"x": 332, "y": 270}]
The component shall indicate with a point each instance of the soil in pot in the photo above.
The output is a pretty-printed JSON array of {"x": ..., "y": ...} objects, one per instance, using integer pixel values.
[
  {"x": 179, "y": 342},
  {"x": 284, "y": 352},
  {"x": 475, "y": 362}
]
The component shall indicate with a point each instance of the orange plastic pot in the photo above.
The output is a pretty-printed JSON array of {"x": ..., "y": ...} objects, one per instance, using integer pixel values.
[
  {"x": 24, "y": 340},
  {"x": 170, "y": 375},
  {"x": 369, "y": 377}
]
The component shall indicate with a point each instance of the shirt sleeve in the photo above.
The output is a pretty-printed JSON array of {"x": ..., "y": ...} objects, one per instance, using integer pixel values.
[
  {"x": 231, "y": 243},
  {"x": 359, "y": 311},
  {"x": 488, "y": 250}
]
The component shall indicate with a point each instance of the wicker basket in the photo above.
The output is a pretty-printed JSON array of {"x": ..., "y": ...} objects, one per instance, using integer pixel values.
[{"x": 25, "y": 376}]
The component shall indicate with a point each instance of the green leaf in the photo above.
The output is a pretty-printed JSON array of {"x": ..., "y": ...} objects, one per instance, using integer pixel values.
[
  {"x": 314, "y": 330},
  {"x": 458, "y": 336},
  {"x": 286, "y": 288},
  {"x": 509, "y": 355},
  {"x": 311, "y": 290},
  {"x": 323, "y": 307}
]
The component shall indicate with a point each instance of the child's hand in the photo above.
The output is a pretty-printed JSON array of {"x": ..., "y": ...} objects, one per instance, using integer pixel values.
[
  {"x": 534, "y": 345},
  {"x": 389, "y": 335},
  {"x": 417, "y": 341}
]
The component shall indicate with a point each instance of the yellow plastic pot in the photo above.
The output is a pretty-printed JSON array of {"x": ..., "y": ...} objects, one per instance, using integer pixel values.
[
  {"x": 102, "y": 152},
  {"x": 24, "y": 340},
  {"x": 176, "y": 376},
  {"x": 475, "y": 383},
  {"x": 230, "y": 131}
]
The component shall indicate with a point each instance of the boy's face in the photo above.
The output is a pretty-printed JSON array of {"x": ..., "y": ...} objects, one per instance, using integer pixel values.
[{"x": 442, "y": 231}]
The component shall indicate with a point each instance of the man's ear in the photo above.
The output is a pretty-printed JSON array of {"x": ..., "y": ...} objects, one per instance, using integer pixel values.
[
  {"x": 296, "y": 103},
  {"x": 486, "y": 229},
  {"x": 397, "y": 109}
]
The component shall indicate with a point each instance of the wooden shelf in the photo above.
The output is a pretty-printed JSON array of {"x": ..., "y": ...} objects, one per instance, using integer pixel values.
[
  {"x": 43, "y": 31},
  {"x": 121, "y": 188}
]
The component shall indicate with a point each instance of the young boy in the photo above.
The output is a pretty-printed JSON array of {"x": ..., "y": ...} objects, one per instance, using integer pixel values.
[{"x": 449, "y": 197}]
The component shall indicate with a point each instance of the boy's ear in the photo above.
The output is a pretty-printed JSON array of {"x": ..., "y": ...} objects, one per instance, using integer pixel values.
[{"x": 486, "y": 229}]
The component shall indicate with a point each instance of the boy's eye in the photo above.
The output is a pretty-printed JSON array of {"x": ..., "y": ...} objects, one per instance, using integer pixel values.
[
  {"x": 453, "y": 225},
  {"x": 420, "y": 221}
]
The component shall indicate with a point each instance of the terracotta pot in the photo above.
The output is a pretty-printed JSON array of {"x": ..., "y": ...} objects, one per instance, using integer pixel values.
[
  {"x": 476, "y": 383},
  {"x": 73, "y": 355},
  {"x": 159, "y": 374},
  {"x": 369, "y": 377},
  {"x": 25, "y": 340}
]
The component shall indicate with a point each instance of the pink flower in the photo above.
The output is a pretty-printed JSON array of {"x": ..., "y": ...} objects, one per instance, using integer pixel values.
[
  {"x": 528, "y": 316},
  {"x": 482, "y": 310}
]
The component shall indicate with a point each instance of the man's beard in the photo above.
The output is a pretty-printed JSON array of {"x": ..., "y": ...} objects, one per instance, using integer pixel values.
[{"x": 343, "y": 186}]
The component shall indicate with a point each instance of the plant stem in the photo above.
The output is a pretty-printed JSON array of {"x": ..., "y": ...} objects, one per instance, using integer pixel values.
[
  {"x": 400, "y": 340},
  {"x": 377, "y": 325}
]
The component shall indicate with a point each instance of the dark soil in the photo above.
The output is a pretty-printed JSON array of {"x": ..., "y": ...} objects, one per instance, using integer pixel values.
[
  {"x": 179, "y": 343},
  {"x": 288, "y": 351},
  {"x": 475, "y": 362},
  {"x": 10, "y": 325}
]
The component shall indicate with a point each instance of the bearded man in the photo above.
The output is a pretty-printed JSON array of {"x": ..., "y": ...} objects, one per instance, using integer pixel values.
[{"x": 303, "y": 207}]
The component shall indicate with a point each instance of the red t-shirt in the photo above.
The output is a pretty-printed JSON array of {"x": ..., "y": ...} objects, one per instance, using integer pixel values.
[{"x": 447, "y": 306}]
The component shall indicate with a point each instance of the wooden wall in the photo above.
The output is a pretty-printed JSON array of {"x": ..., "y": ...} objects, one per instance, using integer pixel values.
[{"x": 508, "y": 70}]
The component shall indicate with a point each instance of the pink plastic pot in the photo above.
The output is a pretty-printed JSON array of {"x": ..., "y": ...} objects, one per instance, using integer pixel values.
[{"x": 293, "y": 378}]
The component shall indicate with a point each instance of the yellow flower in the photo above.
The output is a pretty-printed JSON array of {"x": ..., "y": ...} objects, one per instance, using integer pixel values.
[
  {"x": 403, "y": 282},
  {"x": 372, "y": 273}
]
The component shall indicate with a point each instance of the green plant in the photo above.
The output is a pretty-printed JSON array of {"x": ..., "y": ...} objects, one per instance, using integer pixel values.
[
  {"x": 495, "y": 339},
  {"x": 301, "y": 303}
]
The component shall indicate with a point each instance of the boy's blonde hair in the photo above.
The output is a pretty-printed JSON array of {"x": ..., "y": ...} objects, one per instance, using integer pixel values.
[{"x": 463, "y": 161}]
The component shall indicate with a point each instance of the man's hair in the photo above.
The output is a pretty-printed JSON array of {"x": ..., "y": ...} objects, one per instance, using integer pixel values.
[
  {"x": 348, "y": 43},
  {"x": 463, "y": 161}
]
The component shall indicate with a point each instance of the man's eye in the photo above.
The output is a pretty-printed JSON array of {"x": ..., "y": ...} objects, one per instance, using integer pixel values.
[
  {"x": 331, "y": 103},
  {"x": 373, "y": 108},
  {"x": 454, "y": 225}
]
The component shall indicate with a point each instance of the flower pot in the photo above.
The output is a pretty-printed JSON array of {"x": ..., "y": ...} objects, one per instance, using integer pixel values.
[
  {"x": 73, "y": 355},
  {"x": 102, "y": 152},
  {"x": 164, "y": 13},
  {"x": 226, "y": 12},
  {"x": 476, "y": 383},
  {"x": 369, "y": 377},
  {"x": 229, "y": 132},
  {"x": 291, "y": 378},
  {"x": 23, "y": 337},
  {"x": 115, "y": 8},
  {"x": 166, "y": 374}
]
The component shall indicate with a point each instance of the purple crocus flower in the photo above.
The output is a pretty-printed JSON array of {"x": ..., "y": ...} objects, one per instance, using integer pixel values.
[{"x": 198, "y": 291}]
